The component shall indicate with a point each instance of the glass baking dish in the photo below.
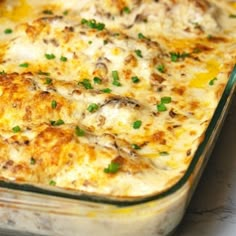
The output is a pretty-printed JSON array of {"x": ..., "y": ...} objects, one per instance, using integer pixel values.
[{"x": 27, "y": 210}]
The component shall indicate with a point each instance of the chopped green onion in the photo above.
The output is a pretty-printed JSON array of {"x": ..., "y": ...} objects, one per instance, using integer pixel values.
[
  {"x": 166, "y": 100},
  {"x": 141, "y": 36},
  {"x": 65, "y": 13},
  {"x": 138, "y": 53},
  {"x": 93, "y": 24},
  {"x": 86, "y": 83},
  {"x": 106, "y": 90},
  {"x": 161, "y": 107},
  {"x": 212, "y": 82},
  {"x": 161, "y": 68},
  {"x": 48, "y": 81},
  {"x": 196, "y": 50},
  {"x": 47, "y": 12},
  {"x": 209, "y": 36},
  {"x": 24, "y": 65},
  {"x": 57, "y": 123},
  {"x": 79, "y": 132},
  {"x": 84, "y": 21},
  {"x": 32, "y": 161},
  {"x": 93, "y": 107},
  {"x": 64, "y": 59},
  {"x": 137, "y": 124},
  {"x": 176, "y": 56},
  {"x": 135, "y": 79},
  {"x": 53, "y": 104},
  {"x": 116, "y": 83},
  {"x": 52, "y": 183},
  {"x": 43, "y": 73},
  {"x": 232, "y": 16},
  {"x": 135, "y": 146},
  {"x": 50, "y": 56},
  {"x": 196, "y": 25},
  {"x": 90, "y": 42},
  {"x": 112, "y": 168},
  {"x": 100, "y": 26},
  {"x": 126, "y": 10},
  {"x": 115, "y": 75},
  {"x": 16, "y": 129},
  {"x": 105, "y": 42},
  {"x": 8, "y": 31},
  {"x": 116, "y": 78},
  {"x": 164, "y": 153},
  {"x": 116, "y": 34},
  {"x": 2, "y": 72},
  {"x": 97, "y": 80}
]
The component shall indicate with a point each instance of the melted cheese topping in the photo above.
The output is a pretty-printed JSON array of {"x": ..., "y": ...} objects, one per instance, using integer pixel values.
[{"x": 109, "y": 98}]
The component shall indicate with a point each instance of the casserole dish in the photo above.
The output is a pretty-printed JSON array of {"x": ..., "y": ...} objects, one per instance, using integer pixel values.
[
  {"x": 26, "y": 209},
  {"x": 106, "y": 123}
]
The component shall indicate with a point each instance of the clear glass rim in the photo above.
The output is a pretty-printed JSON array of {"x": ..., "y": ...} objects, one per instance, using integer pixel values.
[{"x": 92, "y": 198}]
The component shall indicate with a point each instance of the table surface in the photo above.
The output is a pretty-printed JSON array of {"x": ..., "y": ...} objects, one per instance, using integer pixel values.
[{"x": 212, "y": 211}]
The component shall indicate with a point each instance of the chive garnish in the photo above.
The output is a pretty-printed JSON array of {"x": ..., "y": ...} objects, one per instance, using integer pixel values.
[
  {"x": 53, "y": 104},
  {"x": 112, "y": 168},
  {"x": 126, "y": 10},
  {"x": 93, "y": 107},
  {"x": 52, "y": 183},
  {"x": 116, "y": 78},
  {"x": 135, "y": 146},
  {"x": 141, "y": 36},
  {"x": 32, "y": 161},
  {"x": 161, "y": 68},
  {"x": 79, "y": 132},
  {"x": 16, "y": 129},
  {"x": 93, "y": 24},
  {"x": 24, "y": 65},
  {"x": 57, "y": 123},
  {"x": 86, "y": 84},
  {"x": 64, "y": 59},
  {"x": 166, "y": 100},
  {"x": 176, "y": 56},
  {"x": 97, "y": 80},
  {"x": 47, "y": 12},
  {"x": 8, "y": 31},
  {"x": 137, "y": 124},
  {"x": 48, "y": 81},
  {"x": 135, "y": 79},
  {"x": 106, "y": 90},
  {"x": 164, "y": 153},
  {"x": 138, "y": 53},
  {"x": 50, "y": 56},
  {"x": 161, "y": 107},
  {"x": 212, "y": 82}
]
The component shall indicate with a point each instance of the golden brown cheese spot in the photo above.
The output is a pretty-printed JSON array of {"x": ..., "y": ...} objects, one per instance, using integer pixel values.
[
  {"x": 194, "y": 105},
  {"x": 130, "y": 166},
  {"x": 159, "y": 137},
  {"x": 131, "y": 61},
  {"x": 29, "y": 104},
  {"x": 3, "y": 48},
  {"x": 220, "y": 91},
  {"x": 50, "y": 155},
  {"x": 179, "y": 90}
]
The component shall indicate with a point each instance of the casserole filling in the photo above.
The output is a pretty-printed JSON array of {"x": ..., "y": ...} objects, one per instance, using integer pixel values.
[{"x": 109, "y": 98}]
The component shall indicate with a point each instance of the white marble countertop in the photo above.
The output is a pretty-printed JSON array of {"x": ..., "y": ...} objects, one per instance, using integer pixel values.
[{"x": 212, "y": 211}]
